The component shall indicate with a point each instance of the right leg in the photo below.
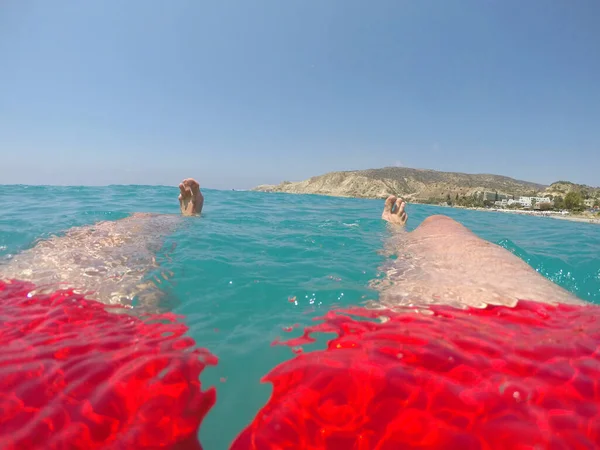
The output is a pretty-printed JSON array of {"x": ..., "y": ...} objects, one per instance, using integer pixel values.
[{"x": 442, "y": 262}]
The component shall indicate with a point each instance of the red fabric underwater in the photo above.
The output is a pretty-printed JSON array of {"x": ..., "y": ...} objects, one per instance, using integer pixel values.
[
  {"x": 495, "y": 378},
  {"x": 74, "y": 375}
]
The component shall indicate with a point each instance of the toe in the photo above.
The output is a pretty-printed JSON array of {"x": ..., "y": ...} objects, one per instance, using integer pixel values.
[
  {"x": 400, "y": 210},
  {"x": 194, "y": 186},
  {"x": 181, "y": 189},
  {"x": 191, "y": 185},
  {"x": 389, "y": 204},
  {"x": 399, "y": 207}
]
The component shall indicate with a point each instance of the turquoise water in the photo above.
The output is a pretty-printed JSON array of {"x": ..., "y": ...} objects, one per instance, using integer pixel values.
[{"x": 235, "y": 269}]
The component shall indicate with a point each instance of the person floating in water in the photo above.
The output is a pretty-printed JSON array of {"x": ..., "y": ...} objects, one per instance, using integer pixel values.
[{"x": 441, "y": 262}]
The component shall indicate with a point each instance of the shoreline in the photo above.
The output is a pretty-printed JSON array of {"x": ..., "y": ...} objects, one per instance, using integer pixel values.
[{"x": 552, "y": 214}]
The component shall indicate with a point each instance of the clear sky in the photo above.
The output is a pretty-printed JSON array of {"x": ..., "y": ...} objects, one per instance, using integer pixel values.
[{"x": 240, "y": 93}]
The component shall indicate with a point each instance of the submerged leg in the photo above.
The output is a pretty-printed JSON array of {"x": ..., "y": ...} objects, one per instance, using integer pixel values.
[
  {"x": 443, "y": 262},
  {"x": 110, "y": 260}
]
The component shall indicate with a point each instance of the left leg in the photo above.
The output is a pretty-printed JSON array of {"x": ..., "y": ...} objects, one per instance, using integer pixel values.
[{"x": 108, "y": 260}]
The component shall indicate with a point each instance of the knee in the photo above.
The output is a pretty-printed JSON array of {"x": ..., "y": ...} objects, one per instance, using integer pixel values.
[
  {"x": 438, "y": 219},
  {"x": 441, "y": 224}
]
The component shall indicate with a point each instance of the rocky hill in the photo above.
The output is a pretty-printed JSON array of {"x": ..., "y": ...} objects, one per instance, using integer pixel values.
[
  {"x": 561, "y": 188},
  {"x": 414, "y": 184}
]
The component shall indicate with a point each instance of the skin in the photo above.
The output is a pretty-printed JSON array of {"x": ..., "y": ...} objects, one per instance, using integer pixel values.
[
  {"x": 113, "y": 261},
  {"x": 442, "y": 262},
  {"x": 191, "y": 199}
]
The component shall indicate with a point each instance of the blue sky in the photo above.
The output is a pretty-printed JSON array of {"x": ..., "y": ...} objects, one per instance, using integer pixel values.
[{"x": 239, "y": 93}]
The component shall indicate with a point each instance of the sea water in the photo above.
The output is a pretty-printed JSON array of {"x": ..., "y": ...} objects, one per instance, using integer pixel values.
[{"x": 256, "y": 264}]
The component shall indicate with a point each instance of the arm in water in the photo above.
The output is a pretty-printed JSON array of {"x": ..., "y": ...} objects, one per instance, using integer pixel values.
[{"x": 109, "y": 260}]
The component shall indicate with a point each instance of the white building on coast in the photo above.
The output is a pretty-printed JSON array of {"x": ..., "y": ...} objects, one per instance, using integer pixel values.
[{"x": 525, "y": 202}]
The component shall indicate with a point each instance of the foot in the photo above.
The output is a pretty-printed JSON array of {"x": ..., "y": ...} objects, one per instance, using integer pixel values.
[
  {"x": 393, "y": 211},
  {"x": 191, "y": 199}
]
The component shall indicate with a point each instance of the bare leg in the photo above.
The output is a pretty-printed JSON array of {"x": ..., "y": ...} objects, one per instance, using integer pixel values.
[
  {"x": 110, "y": 261},
  {"x": 442, "y": 262}
]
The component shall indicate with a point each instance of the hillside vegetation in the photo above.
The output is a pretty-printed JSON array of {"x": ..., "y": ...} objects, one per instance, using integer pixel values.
[
  {"x": 414, "y": 184},
  {"x": 561, "y": 188}
]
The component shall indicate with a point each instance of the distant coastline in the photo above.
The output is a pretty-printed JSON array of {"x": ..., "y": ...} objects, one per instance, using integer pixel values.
[
  {"x": 584, "y": 218},
  {"x": 485, "y": 192}
]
